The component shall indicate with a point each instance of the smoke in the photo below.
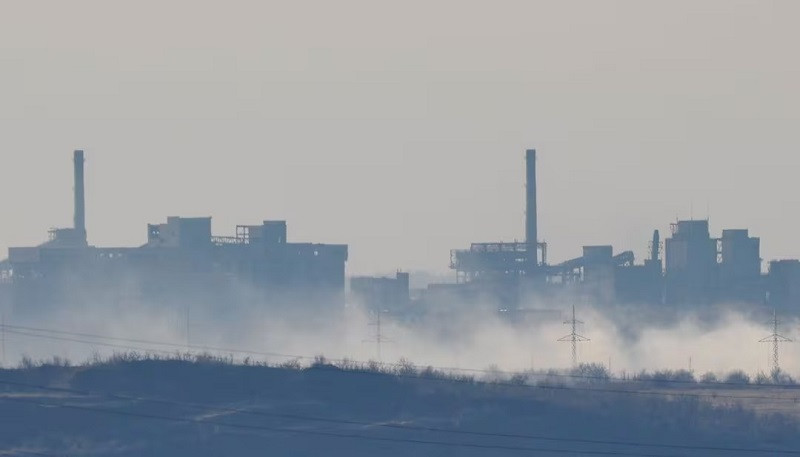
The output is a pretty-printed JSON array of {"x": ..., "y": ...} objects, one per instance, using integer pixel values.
[{"x": 630, "y": 339}]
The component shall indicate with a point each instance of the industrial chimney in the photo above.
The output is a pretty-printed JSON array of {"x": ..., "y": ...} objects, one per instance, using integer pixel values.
[
  {"x": 80, "y": 203},
  {"x": 531, "y": 218},
  {"x": 655, "y": 246}
]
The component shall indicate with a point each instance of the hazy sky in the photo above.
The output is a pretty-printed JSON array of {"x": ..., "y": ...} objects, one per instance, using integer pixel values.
[{"x": 400, "y": 127}]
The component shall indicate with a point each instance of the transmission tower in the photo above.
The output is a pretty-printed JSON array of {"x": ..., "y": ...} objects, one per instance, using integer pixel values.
[
  {"x": 776, "y": 339},
  {"x": 378, "y": 338},
  {"x": 3, "y": 336},
  {"x": 574, "y": 337}
]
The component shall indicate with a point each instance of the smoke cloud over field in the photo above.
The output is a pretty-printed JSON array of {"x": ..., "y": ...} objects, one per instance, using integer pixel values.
[{"x": 629, "y": 339}]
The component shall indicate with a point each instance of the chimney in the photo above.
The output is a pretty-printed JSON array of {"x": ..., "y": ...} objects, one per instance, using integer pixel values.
[
  {"x": 655, "y": 246},
  {"x": 531, "y": 219},
  {"x": 80, "y": 203}
]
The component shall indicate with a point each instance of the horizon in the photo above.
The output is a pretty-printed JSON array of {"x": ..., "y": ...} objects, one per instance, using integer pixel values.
[
  {"x": 226, "y": 227},
  {"x": 410, "y": 143}
]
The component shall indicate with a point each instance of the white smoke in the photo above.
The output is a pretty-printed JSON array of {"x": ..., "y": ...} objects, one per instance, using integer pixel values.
[{"x": 629, "y": 339}]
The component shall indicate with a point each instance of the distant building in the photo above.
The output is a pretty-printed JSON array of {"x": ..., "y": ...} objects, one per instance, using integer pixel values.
[
  {"x": 740, "y": 278},
  {"x": 784, "y": 285},
  {"x": 691, "y": 263},
  {"x": 697, "y": 269},
  {"x": 381, "y": 293},
  {"x": 701, "y": 269},
  {"x": 182, "y": 262}
]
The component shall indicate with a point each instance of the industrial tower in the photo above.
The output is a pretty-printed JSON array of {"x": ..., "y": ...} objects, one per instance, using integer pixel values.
[
  {"x": 574, "y": 337},
  {"x": 776, "y": 339}
]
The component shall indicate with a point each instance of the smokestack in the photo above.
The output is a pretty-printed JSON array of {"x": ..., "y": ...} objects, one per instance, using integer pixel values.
[
  {"x": 655, "y": 247},
  {"x": 80, "y": 203},
  {"x": 531, "y": 218}
]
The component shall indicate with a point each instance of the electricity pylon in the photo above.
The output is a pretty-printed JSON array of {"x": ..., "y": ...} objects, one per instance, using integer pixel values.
[
  {"x": 776, "y": 339},
  {"x": 574, "y": 337},
  {"x": 378, "y": 339}
]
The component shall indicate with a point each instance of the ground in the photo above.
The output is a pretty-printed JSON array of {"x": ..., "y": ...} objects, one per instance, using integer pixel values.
[{"x": 212, "y": 408}]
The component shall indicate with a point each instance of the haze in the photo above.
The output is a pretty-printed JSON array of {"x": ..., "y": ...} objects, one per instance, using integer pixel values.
[{"x": 400, "y": 128}]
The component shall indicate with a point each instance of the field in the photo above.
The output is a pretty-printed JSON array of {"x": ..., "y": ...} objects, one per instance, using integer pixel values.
[{"x": 204, "y": 406}]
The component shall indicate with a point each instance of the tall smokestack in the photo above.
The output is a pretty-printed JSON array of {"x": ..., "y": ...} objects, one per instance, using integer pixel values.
[
  {"x": 531, "y": 218},
  {"x": 80, "y": 203},
  {"x": 656, "y": 246}
]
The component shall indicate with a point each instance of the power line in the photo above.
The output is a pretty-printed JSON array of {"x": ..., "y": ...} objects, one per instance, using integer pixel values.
[
  {"x": 379, "y": 338},
  {"x": 17, "y": 452},
  {"x": 552, "y": 387},
  {"x": 328, "y": 434},
  {"x": 154, "y": 343},
  {"x": 712, "y": 396},
  {"x": 574, "y": 337},
  {"x": 3, "y": 336},
  {"x": 451, "y": 369},
  {"x": 98, "y": 343},
  {"x": 391, "y": 426},
  {"x": 776, "y": 339}
]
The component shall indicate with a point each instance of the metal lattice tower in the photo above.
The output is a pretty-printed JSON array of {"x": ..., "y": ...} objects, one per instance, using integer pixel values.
[
  {"x": 574, "y": 337},
  {"x": 776, "y": 339},
  {"x": 3, "y": 336},
  {"x": 378, "y": 339}
]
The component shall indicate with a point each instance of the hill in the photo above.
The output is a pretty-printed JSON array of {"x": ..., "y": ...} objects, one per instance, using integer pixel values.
[{"x": 207, "y": 407}]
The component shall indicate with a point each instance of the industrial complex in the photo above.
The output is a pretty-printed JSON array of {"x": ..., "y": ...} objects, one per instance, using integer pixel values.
[
  {"x": 689, "y": 268},
  {"x": 182, "y": 260}
]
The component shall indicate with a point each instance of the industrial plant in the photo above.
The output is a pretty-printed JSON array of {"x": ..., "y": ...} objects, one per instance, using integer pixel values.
[
  {"x": 183, "y": 260},
  {"x": 689, "y": 268}
]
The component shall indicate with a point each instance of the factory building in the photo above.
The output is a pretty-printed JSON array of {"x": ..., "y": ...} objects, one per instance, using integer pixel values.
[
  {"x": 696, "y": 269},
  {"x": 382, "y": 294},
  {"x": 702, "y": 269},
  {"x": 783, "y": 285},
  {"x": 504, "y": 271},
  {"x": 181, "y": 262},
  {"x": 506, "y": 262},
  {"x": 740, "y": 278},
  {"x": 511, "y": 273},
  {"x": 641, "y": 283},
  {"x": 184, "y": 261},
  {"x": 691, "y": 263}
]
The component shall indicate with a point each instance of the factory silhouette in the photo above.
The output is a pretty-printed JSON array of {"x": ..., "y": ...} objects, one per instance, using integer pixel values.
[{"x": 184, "y": 262}]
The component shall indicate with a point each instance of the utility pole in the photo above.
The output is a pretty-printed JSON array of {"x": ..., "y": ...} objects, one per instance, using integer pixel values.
[
  {"x": 776, "y": 339},
  {"x": 574, "y": 337},
  {"x": 378, "y": 339},
  {"x": 378, "y": 335},
  {"x": 188, "y": 327},
  {"x": 3, "y": 337}
]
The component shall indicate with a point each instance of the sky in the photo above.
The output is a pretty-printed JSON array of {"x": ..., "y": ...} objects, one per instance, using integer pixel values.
[{"x": 400, "y": 128}]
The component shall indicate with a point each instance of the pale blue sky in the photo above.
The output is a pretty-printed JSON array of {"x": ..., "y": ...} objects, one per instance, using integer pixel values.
[{"x": 400, "y": 127}]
